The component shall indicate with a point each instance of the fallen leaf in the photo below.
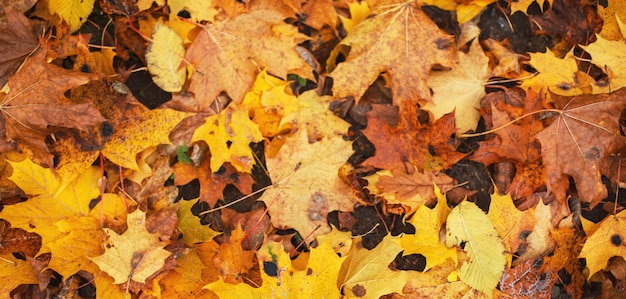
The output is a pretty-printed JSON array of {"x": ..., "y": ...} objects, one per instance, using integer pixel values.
[
  {"x": 16, "y": 42},
  {"x": 217, "y": 52},
  {"x": 410, "y": 141},
  {"x": 137, "y": 129},
  {"x": 612, "y": 15},
  {"x": 375, "y": 48},
  {"x": 14, "y": 272},
  {"x": 134, "y": 255},
  {"x": 212, "y": 181},
  {"x": 582, "y": 134},
  {"x": 468, "y": 224},
  {"x": 509, "y": 222},
  {"x": 412, "y": 190},
  {"x": 281, "y": 279},
  {"x": 232, "y": 260},
  {"x": 606, "y": 240},
  {"x": 228, "y": 136},
  {"x": 559, "y": 75},
  {"x": 164, "y": 58},
  {"x": 460, "y": 89},
  {"x": 366, "y": 273},
  {"x": 74, "y": 12},
  {"x": 608, "y": 56},
  {"x": 426, "y": 240},
  {"x": 301, "y": 198},
  {"x": 187, "y": 279},
  {"x": 36, "y": 102},
  {"x": 189, "y": 225}
]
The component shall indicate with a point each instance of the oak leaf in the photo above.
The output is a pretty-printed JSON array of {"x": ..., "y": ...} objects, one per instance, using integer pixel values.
[
  {"x": 410, "y": 141},
  {"x": 228, "y": 136},
  {"x": 302, "y": 198},
  {"x": 35, "y": 104},
  {"x": 468, "y": 224},
  {"x": 134, "y": 255},
  {"x": 581, "y": 136},
  {"x": 366, "y": 273},
  {"x": 426, "y": 241},
  {"x": 460, "y": 89},
  {"x": 226, "y": 55},
  {"x": 400, "y": 40},
  {"x": 606, "y": 240}
]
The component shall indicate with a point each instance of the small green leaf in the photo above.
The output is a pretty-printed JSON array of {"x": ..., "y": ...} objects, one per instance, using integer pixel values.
[{"x": 181, "y": 151}]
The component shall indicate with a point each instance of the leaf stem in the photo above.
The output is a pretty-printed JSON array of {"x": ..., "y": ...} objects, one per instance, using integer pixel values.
[{"x": 493, "y": 130}]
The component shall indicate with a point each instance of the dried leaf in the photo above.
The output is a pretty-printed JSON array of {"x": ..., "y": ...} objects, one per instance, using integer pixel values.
[{"x": 164, "y": 58}]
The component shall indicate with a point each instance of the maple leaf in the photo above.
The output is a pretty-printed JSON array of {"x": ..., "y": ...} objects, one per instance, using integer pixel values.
[
  {"x": 189, "y": 225},
  {"x": 412, "y": 190},
  {"x": 410, "y": 141},
  {"x": 36, "y": 102},
  {"x": 366, "y": 272},
  {"x": 135, "y": 255},
  {"x": 606, "y": 240},
  {"x": 13, "y": 273},
  {"x": 317, "y": 281},
  {"x": 136, "y": 129},
  {"x": 613, "y": 15},
  {"x": 217, "y": 52},
  {"x": 228, "y": 136},
  {"x": 187, "y": 279},
  {"x": 212, "y": 182},
  {"x": 509, "y": 222},
  {"x": 460, "y": 89},
  {"x": 428, "y": 222},
  {"x": 402, "y": 41},
  {"x": 17, "y": 41},
  {"x": 561, "y": 76},
  {"x": 59, "y": 216},
  {"x": 302, "y": 198},
  {"x": 608, "y": 56},
  {"x": 468, "y": 224},
  {"x": 232, "y": 260},
  {"x": 580, "y": 137}
]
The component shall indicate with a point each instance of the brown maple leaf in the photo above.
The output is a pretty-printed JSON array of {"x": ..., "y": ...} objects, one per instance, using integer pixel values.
[
  {"x": 584, "y": 131},
  {"x": 410, "y": 141},
  {"x": 16, "y": 41},
  {"x": 516, "y": 143},
  {"x": 36, "y": 106},
  {"x": 227, "y": 55},
  {"x": 405, "y": 185},
  {"x": 402, "y": 41}
]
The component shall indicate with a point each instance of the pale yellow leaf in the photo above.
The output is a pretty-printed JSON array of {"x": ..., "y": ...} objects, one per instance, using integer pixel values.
[{"x": 164, "y": 58}]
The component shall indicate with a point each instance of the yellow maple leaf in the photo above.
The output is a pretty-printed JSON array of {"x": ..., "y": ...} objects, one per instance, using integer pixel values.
[
  {"x": 317, "y": 281},
  {"x": 465, "y": 10},
  {"x": 609, "y": 56},
  {"x": 426, "y": 241},
  {"x": 560, "y": 76},
  {"x": 233, "y": 126},
  {"x": 470, "y": 225},
  {"x": 134, "y": 255},
  {"x": 606, "y": 240},
  {"x": 461, "y": 89},
  {"x": 142, "y": 129},
  {"x": 164, "y": 57},
  {"x": 58, "y": 215},
  {"x": 366, "y": 272},
  {"x": 302, "y": 198},
  {"x": 358, "y": 12},
  {"x": 400, "y": 40},
  {"x": 74, "y": 12},
  {"x": 14, "y": 272},
  {"x": 189, "y": 225},
  {"x": 613, "y": 16},
  {"x": 509, "y": 222},
  {"x": 269, "y": 102}
]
